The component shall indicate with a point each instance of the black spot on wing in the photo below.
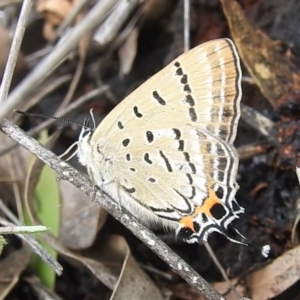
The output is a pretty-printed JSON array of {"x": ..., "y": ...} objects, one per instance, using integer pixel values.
[
  {"x": 189, "y": 100},
  {"x": 181, "y": 145},
  {"x": 218, "y": 211},
  {"x": 177, "y": 133},
  {"x": 120, "y": 125},
  {"x": 147, "y": 159},
  {"x": 136, "y": 112},
  {"x": 151, "y": 179},
  {"x": 150, "y": 136},
  {"x": 220, "y": 192},
  {"x": 193, "y": 168},
  {"x": 187, "y": 88},
  {"x": 186, "y": 156},
  {"x": 128, "y": 190},
  {"x": 179, "y": 72},
  {"x": 196, "y": 226},
  {"x": 125, "y": 142},
  {"x": 185, "y": 233},
  {"x": 184, "y": 79},
  {"x": 193, "y": 114},
  {"x": 159, "y": 99}
]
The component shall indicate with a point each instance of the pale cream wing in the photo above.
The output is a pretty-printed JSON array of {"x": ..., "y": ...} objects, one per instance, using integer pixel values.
[
  {"x": 201, "y": 88},
  {"x": 173, "y": 181},
  {"x": 176, "y": 130}
]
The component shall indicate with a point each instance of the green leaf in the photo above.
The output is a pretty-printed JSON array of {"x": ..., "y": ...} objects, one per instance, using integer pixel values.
[
  {"x": 2, "y": 243},
  {"x": 48, "y": 210}
]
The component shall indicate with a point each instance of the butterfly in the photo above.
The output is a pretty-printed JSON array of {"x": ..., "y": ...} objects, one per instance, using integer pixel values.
[{"x": 166, "y": 151}]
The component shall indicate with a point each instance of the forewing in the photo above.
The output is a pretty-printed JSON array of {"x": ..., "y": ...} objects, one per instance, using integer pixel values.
[{"x": 200, "y": 88}]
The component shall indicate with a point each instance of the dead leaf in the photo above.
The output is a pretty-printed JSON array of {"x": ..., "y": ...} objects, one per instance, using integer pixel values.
[
  {"x": 133, "y": 282},
  {"x": 40, "y": 290},
  {"x": 271, "y": 70},
  {"x": 235, "y": 294},
  {"x": 110, "y": 261},
  {"x": 275, "y": 278},
  {"x": 186, "y": 292},
  {"x": 54, "y": 12},
  {"x": 153, "y": 10},
  {"x": 80, "y": 218},
  {"x": 13, "y": 167}
]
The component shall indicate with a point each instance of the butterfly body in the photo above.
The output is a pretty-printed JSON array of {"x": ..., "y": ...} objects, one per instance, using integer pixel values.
[{"x": 166, "y": 152}]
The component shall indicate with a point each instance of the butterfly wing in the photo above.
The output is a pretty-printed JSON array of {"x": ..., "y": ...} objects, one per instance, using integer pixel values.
[
  {"x": 168, "y": 145},
  {"x": 201, "y": 87}
]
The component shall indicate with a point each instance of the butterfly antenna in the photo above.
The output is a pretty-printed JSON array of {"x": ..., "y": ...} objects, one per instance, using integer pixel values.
[
  {"x": 50, "y": 117},
  {"x": 86, "y": 122}
]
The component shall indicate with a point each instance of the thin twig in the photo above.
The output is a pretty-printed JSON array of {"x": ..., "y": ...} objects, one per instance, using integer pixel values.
[
  {"x": 298, "y": 173},
  {"x": 186, "y": 24},
  {"x": 67, "y": 172},
  {"x": 220, "y": 267},
  {"x": 111, "y": 26},
  {"x": 14, "y": 50},
  {"x": 249, "y": 150},
  {"x": 256, "y": 120},
  {"x": 29, "y": 239},
  {"x": 23, "y": 229}
]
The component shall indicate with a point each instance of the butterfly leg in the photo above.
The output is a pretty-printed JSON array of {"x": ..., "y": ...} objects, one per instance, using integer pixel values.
[{"x": 119, "y": 199}]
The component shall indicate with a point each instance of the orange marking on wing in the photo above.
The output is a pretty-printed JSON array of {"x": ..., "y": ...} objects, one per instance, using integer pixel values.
[
  {"x": 187, "y": 222},
  {"x": 208, "y": 203}
]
